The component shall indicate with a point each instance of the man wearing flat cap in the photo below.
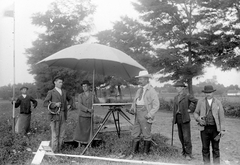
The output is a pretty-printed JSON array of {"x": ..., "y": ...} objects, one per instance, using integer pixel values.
[
  {"x": 144, "y": 107},
  {"x": 60, "y": 99},
  {"x": 183, "y": 104},
  {"x": 24, "y": 119},
  {"x": 209, "y": 114}
]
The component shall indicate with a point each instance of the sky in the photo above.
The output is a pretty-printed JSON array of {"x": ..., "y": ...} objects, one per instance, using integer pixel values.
[{"x": 107, "y": 12}]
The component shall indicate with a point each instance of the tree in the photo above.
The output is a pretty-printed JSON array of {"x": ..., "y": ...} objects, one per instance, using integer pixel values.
[
  {"x": 224, "y": 19},
  {"x": 183, "y": 43},
  {"x": 66, "y": 23}
]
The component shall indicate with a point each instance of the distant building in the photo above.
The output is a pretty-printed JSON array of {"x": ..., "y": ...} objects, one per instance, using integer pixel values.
[{"x": 233, "y": 92}]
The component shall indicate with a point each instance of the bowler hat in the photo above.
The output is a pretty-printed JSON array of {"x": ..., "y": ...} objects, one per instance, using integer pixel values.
[
  {"x": 179, "y": 84},
  {"x": 144, "y": 73},
  {"x": 23, "y": 87},
  {"x": 86, "y": 82},
  {"x": 208, "y": 89},
  {"x": 57, "y": 77}
]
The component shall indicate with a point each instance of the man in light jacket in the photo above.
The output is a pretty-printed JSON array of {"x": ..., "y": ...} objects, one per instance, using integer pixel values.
[
  {"x": 209, "y": 114},
  {"x": 144, "y": 107}
]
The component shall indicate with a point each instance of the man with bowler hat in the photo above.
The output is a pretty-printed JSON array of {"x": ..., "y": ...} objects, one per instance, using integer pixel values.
[
  {"x": 60, "y": 99},
  {"x": 183, "y": 104},
  {"x": 24, "y": 119},
  {"x": 209, "y": 114},
  {"x": 144, "y": 107}
]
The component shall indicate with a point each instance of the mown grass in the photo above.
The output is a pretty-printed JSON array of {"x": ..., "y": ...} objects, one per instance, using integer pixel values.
[{"x": 16, "y": 149}]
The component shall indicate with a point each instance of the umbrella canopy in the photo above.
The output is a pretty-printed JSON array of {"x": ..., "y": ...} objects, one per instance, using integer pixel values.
[{"x": 102, "y": 59}]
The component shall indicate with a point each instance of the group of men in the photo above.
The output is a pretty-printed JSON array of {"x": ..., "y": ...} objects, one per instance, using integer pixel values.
[{"x": 208, "y": 112}]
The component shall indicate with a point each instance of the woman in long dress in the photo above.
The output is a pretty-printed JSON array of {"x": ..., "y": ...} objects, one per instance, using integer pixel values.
[{"x": 85, "y": 101}]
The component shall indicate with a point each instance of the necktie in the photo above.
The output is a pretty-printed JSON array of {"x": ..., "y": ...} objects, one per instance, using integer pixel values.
[{"x": 141, "y": 93}]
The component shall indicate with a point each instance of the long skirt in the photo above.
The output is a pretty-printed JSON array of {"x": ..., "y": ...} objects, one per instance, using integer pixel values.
[
  {"x": 83, "y": 129},
  {"x": 23, "y": 123}
]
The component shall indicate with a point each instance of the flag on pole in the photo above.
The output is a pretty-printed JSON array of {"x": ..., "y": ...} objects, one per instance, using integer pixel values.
[{"x": 9, "y": 11}]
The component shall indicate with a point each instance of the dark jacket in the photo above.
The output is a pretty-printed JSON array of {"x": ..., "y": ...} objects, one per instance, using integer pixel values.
[
  {"x": 85, "y": 103},
  {"x": 185, "y": 103},
  {"x": 54, "y": 96},
  {"x": 25, "y": 104}
]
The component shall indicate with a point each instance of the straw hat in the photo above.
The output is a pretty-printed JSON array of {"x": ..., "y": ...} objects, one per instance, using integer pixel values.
[{"x": 144, "y": 73}]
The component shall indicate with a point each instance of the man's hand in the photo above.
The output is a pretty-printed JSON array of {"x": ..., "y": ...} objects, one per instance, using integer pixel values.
[
  {"x": 201, "y": 121},
  {"x": 69, "y": 107},
  {"x": 58, "y": 104},
  {"x": 147, "y": 116},
  {"x": 222, "y": 133},
  {"x": 130, "y": 111},
  {"x": 91, "y": 110}
]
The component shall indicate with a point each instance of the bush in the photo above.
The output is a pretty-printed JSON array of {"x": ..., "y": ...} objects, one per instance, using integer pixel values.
[{"x": 166, "y": 105}]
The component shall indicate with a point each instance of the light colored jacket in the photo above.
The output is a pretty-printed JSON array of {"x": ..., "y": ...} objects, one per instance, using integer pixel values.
[
  {"x": 151, "y": 101},
  {"x": 217, "y": 111}
]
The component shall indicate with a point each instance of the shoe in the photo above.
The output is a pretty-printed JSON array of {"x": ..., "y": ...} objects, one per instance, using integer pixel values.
[{"x": 188, "y": 158}]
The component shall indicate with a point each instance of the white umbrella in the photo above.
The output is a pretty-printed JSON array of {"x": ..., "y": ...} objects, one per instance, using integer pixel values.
[
  {"x": 102, "y": 59},
  {"x": 95, "y": 58}
]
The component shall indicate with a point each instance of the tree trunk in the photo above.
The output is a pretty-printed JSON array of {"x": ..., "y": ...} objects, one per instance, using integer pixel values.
[
  {"x": 119, "y": 91},
  {"x": 190, "y": 87}
]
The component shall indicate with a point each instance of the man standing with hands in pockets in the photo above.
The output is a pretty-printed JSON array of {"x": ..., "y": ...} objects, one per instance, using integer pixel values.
[
  {"x": 145, "y": 105},
  {"x": 59, "y": 99},
  {"x": 209, "y": 114}
]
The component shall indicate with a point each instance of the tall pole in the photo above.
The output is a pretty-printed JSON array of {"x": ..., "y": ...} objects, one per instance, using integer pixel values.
[{"x": 13, "y": 125}]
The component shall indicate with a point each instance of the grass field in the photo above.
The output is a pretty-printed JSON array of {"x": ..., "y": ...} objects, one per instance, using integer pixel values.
[{"x": 15, "y": 149}]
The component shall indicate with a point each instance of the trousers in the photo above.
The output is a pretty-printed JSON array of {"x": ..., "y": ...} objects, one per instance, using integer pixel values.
[
  {"x": 184, "y": 134},
  {"x": 207, "y": 137},
  {"x": 58, "y": 128},
  {"x": 141, "y": 126}
]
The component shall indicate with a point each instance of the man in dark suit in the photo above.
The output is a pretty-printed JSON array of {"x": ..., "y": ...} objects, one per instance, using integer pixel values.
[
  {"x": 24, "y": 119},
  {"x": 181, "y": 117},
  {"x": 59, "y": 99}
]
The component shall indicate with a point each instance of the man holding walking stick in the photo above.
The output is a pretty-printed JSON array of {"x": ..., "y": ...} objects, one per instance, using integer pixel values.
[
  {"x": 58, "y": 102},
  {"x": 181, "y": 117}
]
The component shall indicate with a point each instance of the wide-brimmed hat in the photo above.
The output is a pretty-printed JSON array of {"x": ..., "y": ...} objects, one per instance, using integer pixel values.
[
  {"x": 208, "y": 89},
  {"x": 86, "y": 82},
  {"x": 179, "y": 84},
  {"x": 23, "y": 87},
  {"x": 144, "y": 73},
  {"x": 57, "y": 77}
]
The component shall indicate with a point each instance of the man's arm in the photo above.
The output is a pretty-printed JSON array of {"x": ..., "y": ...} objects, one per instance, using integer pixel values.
[
  {"x": 155, "y": 104},
  {"x": 35, "y": 103},
  {"x": 47, "y": 99}
]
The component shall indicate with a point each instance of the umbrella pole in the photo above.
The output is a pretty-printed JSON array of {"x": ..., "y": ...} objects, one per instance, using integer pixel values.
[{"x": 92, "y": 114}]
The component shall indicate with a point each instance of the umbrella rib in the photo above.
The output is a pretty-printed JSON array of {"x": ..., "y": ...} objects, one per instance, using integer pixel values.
[{"x": 126, "y": 71}]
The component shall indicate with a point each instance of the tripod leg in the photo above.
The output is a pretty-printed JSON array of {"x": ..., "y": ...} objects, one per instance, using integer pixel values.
[
  {"x": 125, "y": 116},
  {"x": 99, "y": 129},
  {"x": 116, "y": 124}
]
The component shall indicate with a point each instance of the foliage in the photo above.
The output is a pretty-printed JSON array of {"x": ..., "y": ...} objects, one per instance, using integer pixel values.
[
  {"x": 6, "y": 92},
  {"x": 224, "y": 18},
  {"x": 66, "y": 23}
]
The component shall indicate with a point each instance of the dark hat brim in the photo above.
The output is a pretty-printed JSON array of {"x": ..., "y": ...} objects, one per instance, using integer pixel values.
[
  {"x": 85, "y": 82},
  {"x": 23, "y": 88},
  {"x": 208, "y": 91}
]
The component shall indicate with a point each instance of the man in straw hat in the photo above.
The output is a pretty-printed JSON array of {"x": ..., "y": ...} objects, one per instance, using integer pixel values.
[
  {"x": 24, "y": 119},
  {"x": 209, "y": 114},
  {"x": 183, "y": 104},
  {"x": 144, "y": 107},
  {"x": 60, "y": 99}
]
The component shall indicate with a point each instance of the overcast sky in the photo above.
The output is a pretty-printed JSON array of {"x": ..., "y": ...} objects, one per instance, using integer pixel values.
[{"x": 107, "y": 12}]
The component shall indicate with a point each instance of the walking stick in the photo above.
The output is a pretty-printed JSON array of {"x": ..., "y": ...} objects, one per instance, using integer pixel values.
[{"x": 172, "y": 133}]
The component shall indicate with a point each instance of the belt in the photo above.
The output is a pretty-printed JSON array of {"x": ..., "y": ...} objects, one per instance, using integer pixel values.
[{"x": 140, "y": 106}]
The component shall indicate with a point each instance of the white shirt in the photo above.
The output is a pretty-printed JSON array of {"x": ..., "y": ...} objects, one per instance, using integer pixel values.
[
  {"x": 210, "y": 101},
  {"x": 141, "y": 102},
  {"x": 24, "y": 95},
  {"x": 59, "y": 90}
]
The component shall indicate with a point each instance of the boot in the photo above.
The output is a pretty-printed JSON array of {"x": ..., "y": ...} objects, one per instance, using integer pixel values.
[
  {"x": 135, "y": 148},
  {"x": 147, "y": 145}
]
